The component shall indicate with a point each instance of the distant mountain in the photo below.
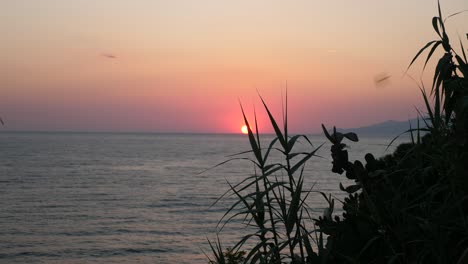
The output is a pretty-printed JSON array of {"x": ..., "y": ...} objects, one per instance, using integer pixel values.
[{"x": 387, "y": 128}]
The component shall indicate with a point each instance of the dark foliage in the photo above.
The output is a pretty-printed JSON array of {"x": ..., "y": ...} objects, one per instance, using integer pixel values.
[
  {"x": 407, "y": 207},
  {"x": 412, "y": 206}
]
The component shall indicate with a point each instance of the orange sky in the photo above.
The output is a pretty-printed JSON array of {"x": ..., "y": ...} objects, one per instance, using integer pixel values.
[{"x": 180, "y": 66}]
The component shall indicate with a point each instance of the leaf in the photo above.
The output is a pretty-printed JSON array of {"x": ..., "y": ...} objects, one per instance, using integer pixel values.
[
  {"x": 259, "y": 204},
  {"x": 435, "y": 25},
  {"x": 272, "y": 143},
  {"x": 294, "y": 207},
  {"x": 411, "y": 131},
  {"x": 269, "y": 166},
  {"x": 277, "y": 168},
  {"x": 241, "y": 199},
  {"x": 342, "y": 188},
  {"x": 450, "y": 98},
  {"x": 446, "y": 42},
  {"x": 395, "y": 138},
  {"x": 351, "y": 136},
  {"x": 253, "y": 143},
  {"x": 285, "y": 118},
  {"x": 293, "y": 140},
  {"x": 440, "y": 16},
  {"x": 419, "y": 132},
  {"x": 330, "y": 138},
  {"x": 275, "y": 185},
  {"x": 430, "y": 53},
  {"x": 239, "y": 153},
  {"x": 368, "y": 244},
  {"x": 254, "y": 251},
  {"x": 307, "y": 244},
  {"x": 463, "y": 52},
  {"x": 224, "y": 162},
  {"x": 350, "y": 189},
  {"x": 337, "y": 135},
  {"x": 428, "y": 106},
  {"x": 257, "y": 257},
  {"x": 292, "y": 155},
  {"x": 235, "y": 186},
  {"x": 256, "y": 129},
  {"x": 419, "y": 53},
  {"x": 241, "y": 242},
  {"x": 303, "y": 160},
  {"x": 275, "y": 126},
  {"x": 218, "y": 251},
  {"x": 424, "y": 119},
  {"x": 454, "y": 14},
  {"x": 462, "y": 66}
]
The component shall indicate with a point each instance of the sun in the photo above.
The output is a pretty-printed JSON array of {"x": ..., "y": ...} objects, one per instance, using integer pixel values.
[{"x": 244, "y": 130}]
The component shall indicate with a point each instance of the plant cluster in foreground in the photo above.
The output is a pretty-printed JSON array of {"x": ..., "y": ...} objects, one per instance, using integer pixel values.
[{"x": 407, "y": 207}]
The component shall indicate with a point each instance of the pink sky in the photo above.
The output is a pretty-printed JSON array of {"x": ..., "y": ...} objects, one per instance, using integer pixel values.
[{"x": 181, "y": 66}]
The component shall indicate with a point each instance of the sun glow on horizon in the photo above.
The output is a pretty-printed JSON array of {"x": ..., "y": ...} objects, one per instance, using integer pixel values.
[
  {"x": 244, "y": 130},
  {"x": 186, "y": 71}
]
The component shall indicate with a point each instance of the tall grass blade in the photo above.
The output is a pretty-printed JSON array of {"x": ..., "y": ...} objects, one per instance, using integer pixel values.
[
  {"x": 419, "y": 53},
  {"x": 428, "y": 106},
  {"x": 273, "y": 170},
  {"x": 285, "y": 122},
  {"x": 419, "y": 132},
  {"x": 440, "y": 16},
  {"x": 293, "y": 140},
  {"x": 411, "y": 133},
  {"x": 241, "y": 199},
  {"x": 463, "y": 51},
  {"x": 435, "y": 25},
  {"x": 455, "y": 14},
  {"x": 368, "y": 244},
  {"x": 243, "y": 240},
  {"x": 253, "y": 143},
  {"x": 275, "y": 125},
  {"x": 254, "y": 251},
  {"x": 327, "y": 135},
  {"x": 270, "y": 147},
  {"x": 235, "y": 186},
  {"x": 303, "y": 160},
  {"x": 217, "y": 251},
  {"x": 393, "y": 140},
  {"x": 257, "y": 132},
  {"x": 434, "y": 47},
  {"x": 224, "y": 162}
]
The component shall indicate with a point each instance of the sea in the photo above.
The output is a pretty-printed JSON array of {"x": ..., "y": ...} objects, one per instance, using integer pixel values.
[{"x": 135, "y": 197}]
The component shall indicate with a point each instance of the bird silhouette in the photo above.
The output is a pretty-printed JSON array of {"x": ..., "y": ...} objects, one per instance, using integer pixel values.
[
  {"x": 109, "y": 56},
  {"x": 381, "y": 79}
]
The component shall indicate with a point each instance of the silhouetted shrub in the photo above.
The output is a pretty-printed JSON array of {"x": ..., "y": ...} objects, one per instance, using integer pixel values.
[
  {"x": 407, "y": 207},
  {"x": 412, "y": 207}
]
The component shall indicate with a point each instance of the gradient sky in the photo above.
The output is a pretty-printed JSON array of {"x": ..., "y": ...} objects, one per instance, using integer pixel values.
[{"x": 181, "y": 66}]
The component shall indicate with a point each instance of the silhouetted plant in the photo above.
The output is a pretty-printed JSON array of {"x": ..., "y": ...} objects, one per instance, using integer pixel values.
[
  {"x": 412, "y": 205},
  {"x": 407, "y": 207},
  {"x": 227, "y": 256},
  {"x": 273, "y": 200}
]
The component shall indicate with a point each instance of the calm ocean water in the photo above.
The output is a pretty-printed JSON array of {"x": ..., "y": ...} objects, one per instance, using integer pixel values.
[{"x": 127, "y": 198}]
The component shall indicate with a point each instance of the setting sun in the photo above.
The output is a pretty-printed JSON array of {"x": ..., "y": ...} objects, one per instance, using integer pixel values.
[{"x": 244, "y": 130}]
